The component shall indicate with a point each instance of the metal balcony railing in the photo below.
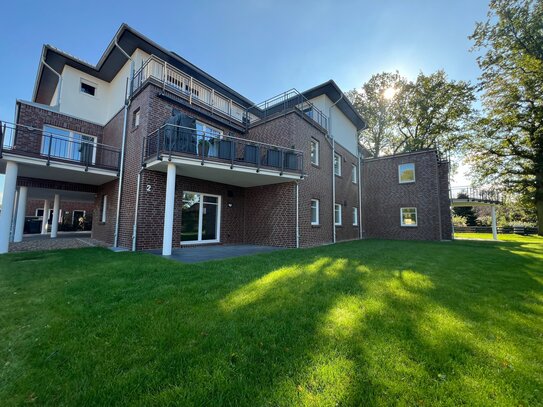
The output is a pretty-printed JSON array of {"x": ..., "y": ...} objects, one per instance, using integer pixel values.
[
  {"x": 75, "y": 149},
  {"x": 471, "y": 194},
  {"x": 289, "y": 100},
  {"x": 177, "y": 141},
  {"x": 194, "y": 91}
]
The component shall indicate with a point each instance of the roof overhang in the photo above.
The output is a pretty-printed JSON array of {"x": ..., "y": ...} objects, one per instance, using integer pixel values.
[{"x": 334, "y": 93}]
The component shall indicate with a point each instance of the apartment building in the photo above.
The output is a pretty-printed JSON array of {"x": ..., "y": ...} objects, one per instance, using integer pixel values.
[{"x": 168, "y": 156}]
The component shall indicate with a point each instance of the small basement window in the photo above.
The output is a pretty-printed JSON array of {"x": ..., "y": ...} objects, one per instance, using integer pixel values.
[{"x": 88, "y": 88}]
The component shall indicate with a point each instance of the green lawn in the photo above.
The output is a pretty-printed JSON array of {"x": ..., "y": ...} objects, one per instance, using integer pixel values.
[
  {"x": 505, "y": 237},
  {"x": 359, "y": 323}
]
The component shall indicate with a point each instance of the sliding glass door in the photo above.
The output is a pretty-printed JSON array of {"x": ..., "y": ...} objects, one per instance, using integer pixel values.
[{"x": 200, "y": 218}]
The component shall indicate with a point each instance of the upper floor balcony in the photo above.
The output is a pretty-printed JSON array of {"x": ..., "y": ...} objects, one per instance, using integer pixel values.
[
  {"x": 469, "y": 196},
  {"x": 51, "y": 152},
  {"x": 217, "y": 157}
]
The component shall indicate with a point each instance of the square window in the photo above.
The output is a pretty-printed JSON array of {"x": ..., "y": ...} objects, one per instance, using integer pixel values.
[
  {"x": 337, "y": 214},
  {"x": 355, "y": 216},
  {"x": 337, "y": 164},
  {"x": 406, "y": 173},
  {"x": 408, "y": 216},
  {"x": 354, "y": 174},
  {"x": 314, "y": 211},
  {"x": 314, "y": 152},
  {"x": 87, "y": 88}
]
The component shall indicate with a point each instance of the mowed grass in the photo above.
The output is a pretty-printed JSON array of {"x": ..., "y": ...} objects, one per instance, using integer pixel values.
[
  {"x": 502, "y": 237},
  {"x": 353, "y": 324}
]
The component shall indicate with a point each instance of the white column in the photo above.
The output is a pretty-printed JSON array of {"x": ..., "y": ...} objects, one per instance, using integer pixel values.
[
  {"x": 21, "y": 212},
  {"x": 8, "y": 202},
  {"x": 46, "y": 210},
  {"x": 168, "y": 211},
  {"x": 54, "y": 224},
  {"x": 494, "y": 228}
]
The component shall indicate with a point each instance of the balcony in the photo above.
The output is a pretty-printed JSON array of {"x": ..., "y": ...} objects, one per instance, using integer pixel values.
[
  {"x": 188, "y": 88},
  {"x": 469, "y": 196},
  {"x": 221, "y": 158},
  {"x": 58, "y": 154}
]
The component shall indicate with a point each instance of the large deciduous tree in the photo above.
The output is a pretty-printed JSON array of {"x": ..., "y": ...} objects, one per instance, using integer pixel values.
[
  {"x": 375, "y": 102},
  {"x": 508, "y": 148}
]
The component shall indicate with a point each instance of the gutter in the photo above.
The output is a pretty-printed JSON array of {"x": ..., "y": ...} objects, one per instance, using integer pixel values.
[
  {"x": 127, "y": 100},
  {"x": 135, "y": 225},
  {"x": 333, "y": 172}
]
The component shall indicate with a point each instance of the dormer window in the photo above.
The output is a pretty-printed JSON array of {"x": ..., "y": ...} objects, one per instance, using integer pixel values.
[{"x": 87, "y": 88}]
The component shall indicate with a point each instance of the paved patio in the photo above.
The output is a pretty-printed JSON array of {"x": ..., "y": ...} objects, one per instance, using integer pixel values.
[
  {"x": 198, "y": 254},
  {"x": 64, "y": 240}
]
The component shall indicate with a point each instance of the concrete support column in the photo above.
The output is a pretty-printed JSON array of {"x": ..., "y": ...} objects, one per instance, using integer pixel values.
[
  {"x": 494, "y": 228},
  {"x": 46, "y": 210},
  {"x": 56, "y": 209},
  {"x": 21, "y": 212},
  {"x": 168, "y": 210},
  {"x": 8, "y": 202}
]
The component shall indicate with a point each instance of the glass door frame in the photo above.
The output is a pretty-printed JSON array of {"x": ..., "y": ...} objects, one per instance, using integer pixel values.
[{"x": 201, "y": 218}]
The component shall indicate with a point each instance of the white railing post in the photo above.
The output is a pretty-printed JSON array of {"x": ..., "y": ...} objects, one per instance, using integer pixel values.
[{"x": 190, "y": 91}]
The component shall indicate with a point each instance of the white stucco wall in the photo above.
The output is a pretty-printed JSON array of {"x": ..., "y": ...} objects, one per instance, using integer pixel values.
[
  {"x": 342, "y": 129},
  {"x": 109, "y": 96}
]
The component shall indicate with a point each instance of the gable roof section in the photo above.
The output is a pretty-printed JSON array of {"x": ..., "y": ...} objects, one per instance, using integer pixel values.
[
  {"x": 333, "y": 92},
  {"x": 113, "y": 60}
]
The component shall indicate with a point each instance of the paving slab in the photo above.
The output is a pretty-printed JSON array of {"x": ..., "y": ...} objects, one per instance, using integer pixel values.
[{"x": 199, "y": 254}]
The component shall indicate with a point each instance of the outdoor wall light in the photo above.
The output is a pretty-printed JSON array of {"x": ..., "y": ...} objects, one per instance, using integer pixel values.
[{"x": 229, "y": 204}]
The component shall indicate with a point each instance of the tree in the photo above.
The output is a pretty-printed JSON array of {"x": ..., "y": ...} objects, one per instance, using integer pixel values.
[
  {"x": 508, "y": 146},
  {"x": 466, "y": 212},
  {"x": 376, "y": 105},
  {"x": 432, "y": 112}
]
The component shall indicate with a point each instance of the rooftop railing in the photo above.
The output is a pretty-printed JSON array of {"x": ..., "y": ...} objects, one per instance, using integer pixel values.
[
  {"x": 471, "y": 194},
  {"x": 77, "y": 149},
  {"x": 291, "y": 99},
  {"x": 189, "y": 88},
  {"x": 177, "y": 141}
]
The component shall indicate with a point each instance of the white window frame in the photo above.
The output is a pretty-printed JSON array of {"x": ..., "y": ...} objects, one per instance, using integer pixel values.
[
  {"x": 355, "y": 216},
  {"x": 70, "y": 140},
  {"x": 400, "y": 173},
  {"x": 103, "y": 215},
  {"x": 88, "y": 83},
  {"x": 354, "y": 174},
  {"x": 315, "y": 143},
  {"x": 201, "y": 219},
  {"x": 410, "y": 224},
  {"x": 137, "y": 117},
  {"x": 337, "y": 158},
  {"x": 317, "y": 208},
  {"x": 78, "y": 210},
  {"x": 336, "y": 206}
]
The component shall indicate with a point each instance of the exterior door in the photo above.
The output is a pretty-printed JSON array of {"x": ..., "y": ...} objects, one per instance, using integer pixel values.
[{"x": 200, "y": 218}]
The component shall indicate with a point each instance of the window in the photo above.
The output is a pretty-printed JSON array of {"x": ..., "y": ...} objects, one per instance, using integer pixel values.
[
  {"x": 314, "y": 211},
  {"x": 355, "y": 216},
  {"x": 337, "y": 214},
  {"x": 136, "y": 121},
  {"x": 69, "y": 145},
  {"x": 87, "y": 88},
  {"x": 209, "y": 134},
  {"x": 314, "y": 152},
  {"x": 354, "y": 174},
  {"x": 337, "y": 164},
  {"x": 406, "y": 173},
  {"x": 103, "y": 209},
  {"x": 408, "y": 216}
]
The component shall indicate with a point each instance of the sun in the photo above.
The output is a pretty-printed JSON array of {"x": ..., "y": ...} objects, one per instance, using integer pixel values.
[{"x": 389, "y": 93}]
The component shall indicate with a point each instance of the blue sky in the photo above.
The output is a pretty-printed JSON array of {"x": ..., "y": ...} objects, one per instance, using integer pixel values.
[{"x": 259, "y": 48}]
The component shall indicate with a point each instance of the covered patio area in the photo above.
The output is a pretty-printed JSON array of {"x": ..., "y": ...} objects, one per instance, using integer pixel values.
[{"x": 197, "y": 254}]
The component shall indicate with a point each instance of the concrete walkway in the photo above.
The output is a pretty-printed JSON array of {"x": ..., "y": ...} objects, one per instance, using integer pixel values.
[
  {"x": 64, "y": 240},
  {"x": 198, "y": 254}
]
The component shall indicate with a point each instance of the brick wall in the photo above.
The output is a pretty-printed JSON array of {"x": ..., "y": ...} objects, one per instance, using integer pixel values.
[
  {"x": 383, "y": 196},
  {"x": 105, "y": 231},
  {"x": 446, "y": 218}
]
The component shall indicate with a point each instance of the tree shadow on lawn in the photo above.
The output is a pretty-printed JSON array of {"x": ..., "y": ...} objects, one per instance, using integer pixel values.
[{"x": 361, "y": 323}]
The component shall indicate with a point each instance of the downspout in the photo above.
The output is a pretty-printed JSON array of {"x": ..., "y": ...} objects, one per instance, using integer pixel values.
[
  {"x": 297, "y": 217},
  {"x": 359, "y": 196},
  {"x": 59, "y": 80},
  {"x": 333, "y": 173},
  {"x": 127, "y": 99},
  {"x": 135, "y": 226}
]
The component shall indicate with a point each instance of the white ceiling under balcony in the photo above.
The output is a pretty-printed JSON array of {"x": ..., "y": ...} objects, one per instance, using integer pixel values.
[{"x": 239, "y": 175}]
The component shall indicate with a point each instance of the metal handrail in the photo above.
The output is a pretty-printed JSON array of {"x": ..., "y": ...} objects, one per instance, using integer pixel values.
[
  {"x": 283, "y": 102},
  {"x": 173, "y": 140},
  {"x": 174, "y": 80},
  {"x": 35, "y": 142},
  {"x": 476, "y": 194}
]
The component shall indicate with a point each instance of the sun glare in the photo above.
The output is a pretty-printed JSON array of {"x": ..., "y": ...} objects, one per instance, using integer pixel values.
[{"x": 389, "y": 93}]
